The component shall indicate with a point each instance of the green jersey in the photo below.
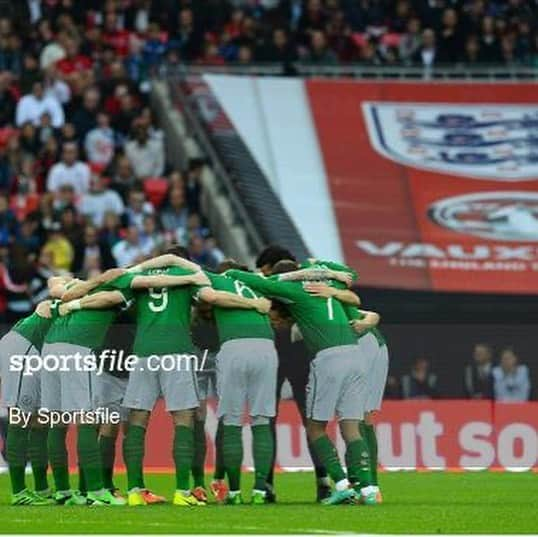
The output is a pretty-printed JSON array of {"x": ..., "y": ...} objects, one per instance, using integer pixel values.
[
  {"x": 34, "y": 328},
  {"x": 163, "y": 317},
  {"x": 323, "y": 322},
  {"x": 352, "y": 312},
  {"x": 237, "y": 323},
  {"x": 88, "y": 328}
]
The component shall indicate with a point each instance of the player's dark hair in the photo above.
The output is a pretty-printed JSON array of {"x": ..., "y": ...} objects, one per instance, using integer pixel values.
[
  {"x": 286, "y": 265},
  {"x": 180, "y": 251},
  {"x": 230, "y": 263},
  {"x": 272, "y": 255}
]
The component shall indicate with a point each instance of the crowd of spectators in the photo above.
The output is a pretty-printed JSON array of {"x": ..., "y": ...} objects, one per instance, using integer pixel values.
[
  {"x": 84, "y": 179},
  {"x": 509, "y": 380},
  {"x": 82, "y": 36}
]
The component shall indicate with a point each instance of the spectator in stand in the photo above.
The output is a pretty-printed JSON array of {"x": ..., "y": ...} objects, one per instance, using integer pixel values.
[
  {"x": 129, "y": 250},
  {"x": 450, "y": 39},
  {"x": 319, "y": 52},
  {"x": 490, "y": 47},
  {"x": 92, "y": 254},
  {"x": 175, "y": 214},
  {"x": 201, "y": 254},
  {"x": 8, "y": 101},
  {"x": 100, "y": 200},
  {"x": 511, "y": 379},
  {"x": 100, "y": 142},
  {"x": 32, "y": 106},
  {"x": 8, "y": 223},
  {"x": 151, "y": 238},
  {"x": 123, "y": 179},
  {"x": 59, "y": 248},
  {"x": 110, "y": 233},
  {"x": 70, "y": 171},
  {"x": 188, "y": 37},
  {"x": 427, "y": 54},
  {"x": 71, "y": 225},
  {"x": 478, "y": 376},
  {"x": 84, "y": 118},
  {"x": 410, "y": 42},
  {"x": 137, "y": 208},
  {"x": 146, "y": 155},
  {"x": 421, "y": 383}
]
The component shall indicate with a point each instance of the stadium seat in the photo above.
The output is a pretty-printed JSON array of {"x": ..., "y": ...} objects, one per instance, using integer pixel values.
[{"x": 156, "y": 189}]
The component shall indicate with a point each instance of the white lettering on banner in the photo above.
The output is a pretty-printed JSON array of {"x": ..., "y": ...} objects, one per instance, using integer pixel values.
[
  {"x": 471, "y": 439},
  {"x": 479, "y": 257},
  {"x": 428, "y": 430},
  {"x": 407, "y": 457},
  {"x": 506, "y": 446}
]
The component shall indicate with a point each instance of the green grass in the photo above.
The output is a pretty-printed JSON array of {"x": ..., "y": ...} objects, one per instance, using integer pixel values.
[{"x": 414, "y": 503}]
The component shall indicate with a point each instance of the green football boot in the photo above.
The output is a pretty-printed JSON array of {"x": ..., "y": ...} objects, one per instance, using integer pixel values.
[
  {"x": 338, "y": 497},
  {"x": 234, "y": 499},
  {"x": 29, "y": 498},
  {"x": 259, "y": 497},
  {"x": 106, "y": 498}
]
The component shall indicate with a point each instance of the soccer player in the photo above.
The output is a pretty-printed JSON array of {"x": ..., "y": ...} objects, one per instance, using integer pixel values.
[
  {"x": 22, "y": 391},
  {"x": 71, "y": 388},
  {"x": 372, "y": 347},
  {"x": 293, "y": 365},
  {"x": 337, "y": 381},
  {"x": 247, "y": 368}
]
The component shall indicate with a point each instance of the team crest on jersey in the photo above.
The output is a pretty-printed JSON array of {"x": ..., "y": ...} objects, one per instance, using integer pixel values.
[
  {"x": 481, "y": 141},
  {"x": 506, "y": 216}
]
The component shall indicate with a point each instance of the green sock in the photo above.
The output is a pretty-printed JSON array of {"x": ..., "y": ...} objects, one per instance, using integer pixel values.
[
  {"x": 368, "y": 433},
  {"x": 16, "y": 450},
  {"x": 232, "y": 454},
  {"x": 58, "y": 457},
  {"x": 37, "y": 453},
  {"x": 329, "y": 457},
  {"x": 89, "y": 457},
  {"x": 262, "y": 451},
  {"x": 200, "y": 450},
  {"x": 133, "y": 455},
  {"x": 183, "y": 455},
  {"x": 82, "y": 486},
  {"x": 358, "y": 463},
  {"x": 220, "y": 472},
  {"x": 107, "y": 447}
]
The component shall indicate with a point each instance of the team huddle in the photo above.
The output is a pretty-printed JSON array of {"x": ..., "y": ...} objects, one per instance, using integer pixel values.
[{"x": 337, "y": 368}]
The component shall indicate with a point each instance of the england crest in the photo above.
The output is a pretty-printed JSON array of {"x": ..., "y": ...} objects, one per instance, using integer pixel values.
[
  {"x": 497, "y": 142},
  {"x": 505, "y": 216}
]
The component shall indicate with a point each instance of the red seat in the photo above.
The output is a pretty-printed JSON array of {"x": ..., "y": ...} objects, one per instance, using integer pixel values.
[{"x": 156, "y": 189}]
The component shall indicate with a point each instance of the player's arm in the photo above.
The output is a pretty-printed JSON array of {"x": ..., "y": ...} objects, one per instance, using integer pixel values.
[
  {"x": 166, "y": 260},
  {"x": 320, "y": 273},
  {"x": 82, "y": 288},
  {"x": 167, "y": 280},
  {"x": 224, "y": 299},
  {"x": 98, "y": 301},
  {"x": 267, "y": 286},
  {"x": 43, "y": 309},
  {"x": 326, "y": 291},
  {"x": 365, "y": 321},
  {"x": 339, "y": 267}
]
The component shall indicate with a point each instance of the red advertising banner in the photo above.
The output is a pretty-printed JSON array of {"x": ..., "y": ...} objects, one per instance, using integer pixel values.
[
  {"x": 436, "y": 435},
  {"x": 434, "y": 186}
]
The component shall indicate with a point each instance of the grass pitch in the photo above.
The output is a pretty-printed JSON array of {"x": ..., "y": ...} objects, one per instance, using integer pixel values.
[{"x": 414, "y": 503}]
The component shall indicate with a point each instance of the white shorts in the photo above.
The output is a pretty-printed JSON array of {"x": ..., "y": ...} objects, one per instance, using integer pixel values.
[
  {"x": 18, "y": 390},
  {"x": 377, "y": 375},
  {"x": 337, "y": 384},
  {"x": 179, "y": 388}
]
